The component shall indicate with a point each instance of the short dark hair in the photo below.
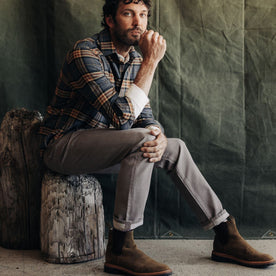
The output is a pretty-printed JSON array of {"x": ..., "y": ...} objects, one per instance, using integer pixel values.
[{"x": 111, "y": 6}]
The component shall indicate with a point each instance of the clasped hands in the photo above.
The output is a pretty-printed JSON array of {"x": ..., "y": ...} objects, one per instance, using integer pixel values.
[{"x": 154, "y": 150}]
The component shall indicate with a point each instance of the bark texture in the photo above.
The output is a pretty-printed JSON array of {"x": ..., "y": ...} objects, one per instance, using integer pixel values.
[
  {"x": 72, "y": 218},
  {"x": 20, "y": 179}
]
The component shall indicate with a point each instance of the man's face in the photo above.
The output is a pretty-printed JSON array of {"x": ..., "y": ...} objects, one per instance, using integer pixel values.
[{"x": 131, "y": 21}]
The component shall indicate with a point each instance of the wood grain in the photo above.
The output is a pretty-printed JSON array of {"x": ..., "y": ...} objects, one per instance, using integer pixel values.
[
  {"x": 20, "y": 179},
  {"x": 72, "y": 218}
]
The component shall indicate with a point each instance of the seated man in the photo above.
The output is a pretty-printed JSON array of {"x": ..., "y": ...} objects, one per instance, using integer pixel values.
[{"x": 100, "y": 116}]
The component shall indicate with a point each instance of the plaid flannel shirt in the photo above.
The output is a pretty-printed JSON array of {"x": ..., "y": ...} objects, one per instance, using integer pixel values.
[{"x": 88, "y": 88}]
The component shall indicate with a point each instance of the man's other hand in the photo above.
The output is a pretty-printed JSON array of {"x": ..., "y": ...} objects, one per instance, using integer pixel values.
[{"x": 154, "y": 150}]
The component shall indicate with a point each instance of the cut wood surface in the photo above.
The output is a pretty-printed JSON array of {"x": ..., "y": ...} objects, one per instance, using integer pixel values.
[
  {"x": 20, "y": 179},
  {"x": 72, "y": 218}
]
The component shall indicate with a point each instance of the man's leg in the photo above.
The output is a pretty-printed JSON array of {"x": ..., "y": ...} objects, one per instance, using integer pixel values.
[
  {"x": 177, "y": 161},
  {"x": 229, "y": 246},
  {"x": 93, "y": 150},
  {"x": 90, "y": 151}
]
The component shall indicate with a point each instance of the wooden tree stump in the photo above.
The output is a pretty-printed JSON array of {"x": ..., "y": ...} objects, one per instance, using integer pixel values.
[
  {"x": 72, "y": 218},
  {"x": 20, "y": 179}
]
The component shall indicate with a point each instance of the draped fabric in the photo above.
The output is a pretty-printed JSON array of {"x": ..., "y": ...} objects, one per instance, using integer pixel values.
[{"x": 215, "y": 89}]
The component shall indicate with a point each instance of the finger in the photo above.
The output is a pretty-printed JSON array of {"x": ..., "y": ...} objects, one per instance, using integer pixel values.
[
  {"x": 145, "y": 31},
  {"x": 153, "y": 143},
  {"x": 152, "y": 155},
  {"x": 155, "y": 36},
  {"x": 151, "y": 146},
  {"x": 143, "y": 36},
  {"x": 154, "y": 160},
  {"x": 158, "y": 142},
  {"x": 165, "y": 44},
  {"x": 149, "y": 34},
  {"x": 161, "y": 39},
  {"x": 155, "y": 132},
  {"x": 150, "y": 149}
]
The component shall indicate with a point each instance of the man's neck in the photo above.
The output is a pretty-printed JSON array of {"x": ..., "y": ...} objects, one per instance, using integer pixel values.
[{"x": 121, "y": 49}]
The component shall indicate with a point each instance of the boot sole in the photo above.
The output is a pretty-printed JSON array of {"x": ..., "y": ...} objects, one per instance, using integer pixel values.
[
  {"x": 114, "y": 269},
  {"x": 221, "y": 257}
]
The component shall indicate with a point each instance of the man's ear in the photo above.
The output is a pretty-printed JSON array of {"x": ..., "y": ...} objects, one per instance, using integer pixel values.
[{"x": 109, "y": 21}]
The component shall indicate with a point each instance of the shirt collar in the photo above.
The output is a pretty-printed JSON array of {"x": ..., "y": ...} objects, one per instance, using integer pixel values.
[
  {"x": 122, "y": 59},
  {"x": 107, "y": 47}
]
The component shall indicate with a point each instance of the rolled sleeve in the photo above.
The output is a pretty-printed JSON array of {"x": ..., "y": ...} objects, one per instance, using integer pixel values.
[{"x": 138, "y": 99}]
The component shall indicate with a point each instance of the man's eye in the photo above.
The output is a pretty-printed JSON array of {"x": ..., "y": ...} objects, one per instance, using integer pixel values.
[
  {"x": 143, "y": 15},
  {"x": 127, "y": 14}
]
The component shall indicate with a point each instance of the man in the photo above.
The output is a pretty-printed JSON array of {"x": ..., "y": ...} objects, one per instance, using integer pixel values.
[{"x": 100, "y": 117}]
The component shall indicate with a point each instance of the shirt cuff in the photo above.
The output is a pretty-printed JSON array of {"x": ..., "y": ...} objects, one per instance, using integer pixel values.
[
  {"x": 153, "y": 127},
  {"x": 138, "y": 99}
]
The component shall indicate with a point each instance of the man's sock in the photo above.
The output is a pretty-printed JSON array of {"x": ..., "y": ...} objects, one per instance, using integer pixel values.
[
  {"x": 118, "y": 240},
  {"x": 222, "y": 233}
]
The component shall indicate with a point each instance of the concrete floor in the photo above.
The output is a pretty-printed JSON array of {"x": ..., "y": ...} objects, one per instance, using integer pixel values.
[{"x": 185, "y": 257}]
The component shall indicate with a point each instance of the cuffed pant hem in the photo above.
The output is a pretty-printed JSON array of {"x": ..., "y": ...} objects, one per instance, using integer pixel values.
[
  {"x": 216, "y": 220},
  {"x": 126, "y": 226}
]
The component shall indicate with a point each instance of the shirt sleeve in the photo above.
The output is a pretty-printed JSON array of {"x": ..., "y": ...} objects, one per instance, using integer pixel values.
[
  {"x": 85, "y": 72},
  {"x": 138, "y": 98}
]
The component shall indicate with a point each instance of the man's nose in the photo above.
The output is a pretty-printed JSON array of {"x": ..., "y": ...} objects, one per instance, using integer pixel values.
[{"x": 137, "y": 20}]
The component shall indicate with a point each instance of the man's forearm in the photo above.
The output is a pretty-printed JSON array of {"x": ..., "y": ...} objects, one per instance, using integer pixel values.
[
  {"x": 145, "y": 76},
  {"x": 153, "y": 47}
]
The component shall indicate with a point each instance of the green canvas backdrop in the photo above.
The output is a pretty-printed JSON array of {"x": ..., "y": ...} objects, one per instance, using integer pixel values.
[{"x": 215, "y": 89}]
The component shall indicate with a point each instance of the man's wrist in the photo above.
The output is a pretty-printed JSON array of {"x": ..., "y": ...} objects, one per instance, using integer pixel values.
[{"x": 149, "y": 63}]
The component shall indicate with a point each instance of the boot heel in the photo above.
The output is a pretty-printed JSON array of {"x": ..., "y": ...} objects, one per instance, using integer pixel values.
[
  {"x": 220, "y": 259},
  {"x": 112, "y": 270}
]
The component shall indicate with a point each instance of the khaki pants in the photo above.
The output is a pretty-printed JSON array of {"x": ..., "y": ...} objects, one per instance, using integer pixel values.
[{"x": 101, "y": 150}]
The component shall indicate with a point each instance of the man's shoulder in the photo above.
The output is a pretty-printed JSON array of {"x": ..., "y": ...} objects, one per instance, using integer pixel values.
[
  {"x": 87, "y": 47},
  {"x": 88, "y": 43},
  {"x": 100, "y": 43}
]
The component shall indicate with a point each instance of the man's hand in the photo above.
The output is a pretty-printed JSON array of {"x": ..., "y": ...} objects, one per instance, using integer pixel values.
[
  {"x": 154, "y": 150},
  {"x": 153, "y": 46}
]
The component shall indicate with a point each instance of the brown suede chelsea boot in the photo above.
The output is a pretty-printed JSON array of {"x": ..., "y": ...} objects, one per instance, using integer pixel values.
[
  {"x": 235, "y": 249},
  {"x": 130, "y": 260}
]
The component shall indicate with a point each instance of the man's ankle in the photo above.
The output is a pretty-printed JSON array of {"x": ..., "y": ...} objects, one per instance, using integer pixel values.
[
  {"x": 222, "y": 232},
  {"x": 118, "y": 239}
]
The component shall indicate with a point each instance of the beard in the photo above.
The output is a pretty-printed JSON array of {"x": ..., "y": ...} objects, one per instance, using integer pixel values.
[{"x": 126, "y": 38}]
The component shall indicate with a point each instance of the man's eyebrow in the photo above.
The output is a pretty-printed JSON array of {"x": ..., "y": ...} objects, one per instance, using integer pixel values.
[{"x": 127, "y": 9}]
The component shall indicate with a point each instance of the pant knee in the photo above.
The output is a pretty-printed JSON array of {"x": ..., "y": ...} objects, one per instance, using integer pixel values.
[
  {"x": 175, "y": 147},
  {"x": 176, "y": 142},
  {"x": 140, "y": 136}
]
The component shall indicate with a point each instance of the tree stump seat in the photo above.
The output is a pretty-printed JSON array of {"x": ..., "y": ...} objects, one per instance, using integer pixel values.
[{"x": 72, "y": 218}]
